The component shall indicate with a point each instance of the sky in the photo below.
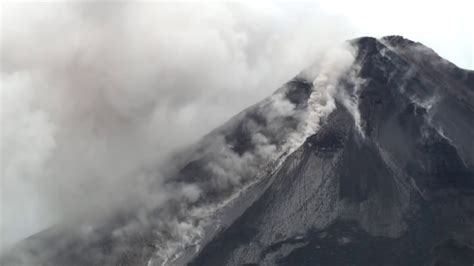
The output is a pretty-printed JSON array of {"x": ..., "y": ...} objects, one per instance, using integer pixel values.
[
  {"x": 444, "y": 26},
  {"x": 95, "y": 95}
]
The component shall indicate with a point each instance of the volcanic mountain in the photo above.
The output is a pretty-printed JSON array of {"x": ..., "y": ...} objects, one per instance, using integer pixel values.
[{"x": 365, "y": 158}]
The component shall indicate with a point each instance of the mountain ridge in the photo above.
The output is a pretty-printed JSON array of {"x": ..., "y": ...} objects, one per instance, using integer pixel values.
[
  {"x": 390, "y": 202},
  {"x": 371, "y": 154}
]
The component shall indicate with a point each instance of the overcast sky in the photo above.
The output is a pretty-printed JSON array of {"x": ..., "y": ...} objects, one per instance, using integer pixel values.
[
  {"x": 444, "y": 26},
  {"x": 93, "y": 92}
]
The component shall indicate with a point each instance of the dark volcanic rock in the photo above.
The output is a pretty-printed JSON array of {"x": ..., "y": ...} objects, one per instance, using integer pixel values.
[
  {"x": 398, "y": 193},
  {"x": 389, "y": 182}
]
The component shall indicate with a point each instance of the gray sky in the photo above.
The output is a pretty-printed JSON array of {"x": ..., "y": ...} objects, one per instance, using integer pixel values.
[{"x": 444, "y": 26}]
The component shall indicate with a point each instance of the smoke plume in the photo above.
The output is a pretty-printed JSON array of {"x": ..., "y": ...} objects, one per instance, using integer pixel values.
[{"x": 95, "y": 96}]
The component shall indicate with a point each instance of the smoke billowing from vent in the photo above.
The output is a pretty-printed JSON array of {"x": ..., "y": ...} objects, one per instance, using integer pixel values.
[{"x": 95, "y": 96}]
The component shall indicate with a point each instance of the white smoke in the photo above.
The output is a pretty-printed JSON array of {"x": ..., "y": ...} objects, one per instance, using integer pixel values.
[
  {"x": 326, "y": 74},
  {"x": 95, "y": 95},
  {"x": 350, "y": 97},
  {"x": 235, "y": 172}
]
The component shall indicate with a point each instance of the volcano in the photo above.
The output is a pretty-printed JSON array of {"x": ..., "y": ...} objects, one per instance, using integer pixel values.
[{"x": 365, "y": 158}]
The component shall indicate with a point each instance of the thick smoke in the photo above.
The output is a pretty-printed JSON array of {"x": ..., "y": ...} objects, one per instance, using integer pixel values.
[
  {"x": 252, "y": 146},
  {"x": 95, "y": 96}
]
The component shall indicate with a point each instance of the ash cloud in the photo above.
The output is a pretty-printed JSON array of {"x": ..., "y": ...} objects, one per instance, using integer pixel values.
[{"x": 96, "y": 96}]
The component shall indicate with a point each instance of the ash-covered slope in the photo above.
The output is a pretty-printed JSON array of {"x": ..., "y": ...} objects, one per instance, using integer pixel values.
[
  {"x": 365, "y": 158},
  {"x": 391, "y": 185}
]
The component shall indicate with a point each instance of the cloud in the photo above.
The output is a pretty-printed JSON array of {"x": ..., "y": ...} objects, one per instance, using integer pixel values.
[{"x": 96, "y": 95}]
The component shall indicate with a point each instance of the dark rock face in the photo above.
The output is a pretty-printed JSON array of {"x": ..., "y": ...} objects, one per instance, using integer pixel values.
[
  {"x": 390, "y": 182},
  {"x": 398, "y": 193}
]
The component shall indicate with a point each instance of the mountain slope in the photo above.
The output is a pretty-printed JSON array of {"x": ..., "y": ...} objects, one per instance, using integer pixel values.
[
  {"x": 365, "y": 158},
  {"x": 400, "y": 191}
]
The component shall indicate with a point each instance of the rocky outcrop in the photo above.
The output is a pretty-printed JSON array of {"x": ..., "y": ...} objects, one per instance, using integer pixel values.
[
  {"x": 400, "y": 191},
  {"x": 385, "y": 176}
]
